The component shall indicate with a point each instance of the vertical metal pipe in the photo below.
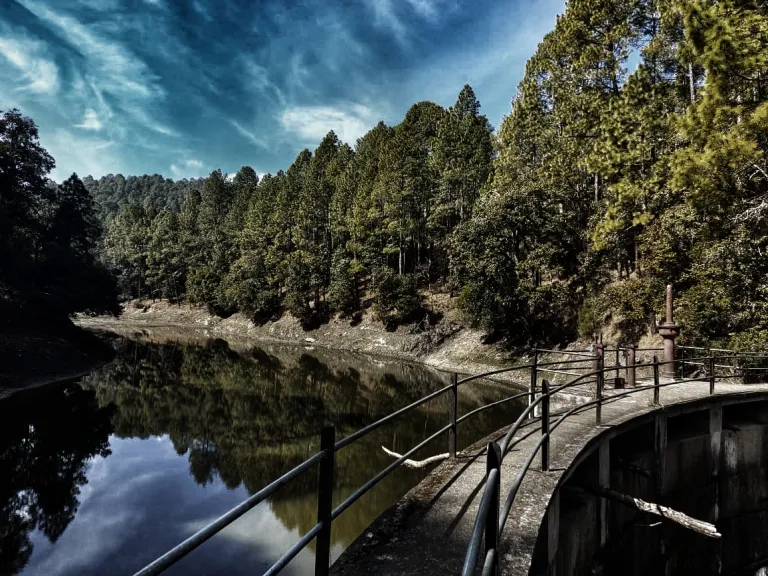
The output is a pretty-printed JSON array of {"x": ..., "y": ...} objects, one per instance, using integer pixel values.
[
  {"x": 534, "y": 376},
  {"x": 631, "y": 361},
  {"x": 545, "y": 425},
  {"x": 493, "y": 462},
  {"x": 655, "y": 380},
  {"x": 599, "y": 391},
  {"x": 618, "y": 362},
  {"x": 711, "y": 373},
  {"x": 325, "y": 502},
  {"x": 453, "y": 409}
]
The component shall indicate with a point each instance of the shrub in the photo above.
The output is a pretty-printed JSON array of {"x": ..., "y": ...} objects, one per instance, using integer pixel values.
[
  {"x": 397, "y": 299},
  {"x": 343, "y": 296}
]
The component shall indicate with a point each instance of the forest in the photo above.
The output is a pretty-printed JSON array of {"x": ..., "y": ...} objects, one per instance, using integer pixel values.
[
  {"x": 634, "y": 155},
  {"x": 49, "y": 235}
]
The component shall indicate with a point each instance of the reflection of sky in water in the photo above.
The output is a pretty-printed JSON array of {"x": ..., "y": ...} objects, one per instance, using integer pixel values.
[{"x": 140, "y": 502}]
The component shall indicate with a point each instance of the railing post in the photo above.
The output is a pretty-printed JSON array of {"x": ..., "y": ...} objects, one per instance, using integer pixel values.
[
  {"x": 493, "y": 462},
  {"x": 545, "y": 425},
  {"x": 618, "y": 362},
  {"x": 325, "y": 501},
  {"x": 655, "y": 380},
  {"x": 453, "y": 410},
  {"x": 631, "y": 361},
  {"x": 682, "y": 363},
  {"x": 711, "y": 373},
  {"x": 599, "y": 390},
  {"x": 534, "y": 376}
]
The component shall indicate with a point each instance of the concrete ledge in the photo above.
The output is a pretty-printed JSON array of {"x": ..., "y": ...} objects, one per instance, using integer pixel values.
[{"x": 427, "y": 532}]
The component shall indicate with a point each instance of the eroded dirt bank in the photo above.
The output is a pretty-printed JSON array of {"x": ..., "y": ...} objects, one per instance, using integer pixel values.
[{"x": 445, "y": 345}]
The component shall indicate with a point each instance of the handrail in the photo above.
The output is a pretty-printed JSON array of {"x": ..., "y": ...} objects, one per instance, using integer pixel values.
[
  {"x": 383, "y": 474},
  {"x": 214, "y": 527},
  {"x": 519, "y": 367},
  {"x": 474, "y": 547},
  {"x": 484, "y": 514},
  {"x": 491, "y": 405},
  {"x": 373, "y": 426},
  {"x": 325, "y": 458},
  {"x": 181, "y": 550},
  {"x": 566, "y": 352}
]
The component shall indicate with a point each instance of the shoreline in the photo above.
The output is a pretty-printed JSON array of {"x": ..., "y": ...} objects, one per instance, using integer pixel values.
[
  {"x": 53, "y": 380},
  {"x": 445, "y": 346},
  {"x": 32, "y": 357}
]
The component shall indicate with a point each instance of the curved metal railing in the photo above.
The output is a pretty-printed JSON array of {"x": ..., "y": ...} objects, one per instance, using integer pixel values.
[
  {"x": 324, "y": 460},
  {"x": 492, "y": 516}
]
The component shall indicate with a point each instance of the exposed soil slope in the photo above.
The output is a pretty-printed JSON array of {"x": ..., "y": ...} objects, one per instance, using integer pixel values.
[{"x": 445, "y": 345}]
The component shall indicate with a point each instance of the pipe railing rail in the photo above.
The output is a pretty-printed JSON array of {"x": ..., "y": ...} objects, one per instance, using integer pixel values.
[
  {"x": 591, "y": 363},
  {"x": 490, "y": 519},
  {"x": 324, "y": 461}
]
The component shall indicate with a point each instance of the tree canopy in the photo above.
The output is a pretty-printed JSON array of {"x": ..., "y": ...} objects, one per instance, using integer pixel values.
[
  {"x": 48, "y": 232},
  {"x": 634, "y": 155}
]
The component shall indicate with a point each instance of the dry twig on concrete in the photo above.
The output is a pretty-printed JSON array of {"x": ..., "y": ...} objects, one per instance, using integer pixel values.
[{"x": 417, "y": 463}]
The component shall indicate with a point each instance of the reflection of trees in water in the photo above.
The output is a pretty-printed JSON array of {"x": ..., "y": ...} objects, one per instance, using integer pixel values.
[
  {"x": 248, "y": 417},
  {"x": 45, "y": 440}
]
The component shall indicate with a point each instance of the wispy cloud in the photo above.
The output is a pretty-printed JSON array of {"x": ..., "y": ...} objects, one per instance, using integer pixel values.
[
  {"x": 398, "y": 17},
  {"x": 84, "y": 154},
  {"x": 39, "y": 73},
  {"x": 249, "y": 135},
  {"x": 137, "y": 86},
  {"x": 189, "y": 168},
  {"x": 202, "y": 10},
  {"x": 90, "y": 121},
  {"x": 312, "y": 123},
  {"x": 385, "y": 15},
  {"x": 119, "y": 71}
]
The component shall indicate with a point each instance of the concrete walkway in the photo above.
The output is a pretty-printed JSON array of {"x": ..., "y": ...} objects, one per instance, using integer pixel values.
[{"x": 428, "y": 531}]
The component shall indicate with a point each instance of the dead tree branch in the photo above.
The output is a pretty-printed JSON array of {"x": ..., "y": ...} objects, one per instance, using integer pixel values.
[{"x": 417, "y": 463}]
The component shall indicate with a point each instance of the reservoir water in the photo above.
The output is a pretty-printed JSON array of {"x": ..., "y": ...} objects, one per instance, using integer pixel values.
[{"x": 103, "y": 475}]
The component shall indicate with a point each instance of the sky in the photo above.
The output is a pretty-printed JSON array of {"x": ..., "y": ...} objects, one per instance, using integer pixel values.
[{"x": 184, "y": 87}]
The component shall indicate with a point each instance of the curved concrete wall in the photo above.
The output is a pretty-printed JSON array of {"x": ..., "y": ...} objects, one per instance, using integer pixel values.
[{"x": 708, "y": 459}]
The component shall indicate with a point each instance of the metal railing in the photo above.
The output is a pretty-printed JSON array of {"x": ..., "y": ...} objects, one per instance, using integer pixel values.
[
  {"x": 324, "y": 460},
  {"x": 492, "y": 516}
]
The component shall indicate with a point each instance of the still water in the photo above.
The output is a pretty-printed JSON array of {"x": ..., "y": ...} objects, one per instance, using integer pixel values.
[{"x": 103, "y": 475}]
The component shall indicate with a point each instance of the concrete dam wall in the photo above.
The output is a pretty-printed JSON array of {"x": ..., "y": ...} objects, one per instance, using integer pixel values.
[{"x": 707, "y": 459}]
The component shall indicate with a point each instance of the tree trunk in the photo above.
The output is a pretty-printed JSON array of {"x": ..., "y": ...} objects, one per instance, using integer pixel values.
[{"x": 690, "y": 82}]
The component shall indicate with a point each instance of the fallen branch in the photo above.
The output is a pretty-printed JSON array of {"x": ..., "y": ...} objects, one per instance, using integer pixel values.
[
  {"x": 704, "y": 528},
  {"x": 417, "y": 463}
]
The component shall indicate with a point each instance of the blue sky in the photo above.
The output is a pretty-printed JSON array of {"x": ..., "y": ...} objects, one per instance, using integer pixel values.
[{"x": 182, "y": 87}]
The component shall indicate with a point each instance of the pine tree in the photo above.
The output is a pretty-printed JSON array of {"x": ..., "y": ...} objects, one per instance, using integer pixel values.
[
  {"x": 312, "y": 232},
  {"x": 245, "y": 184},
  {"x": 24, "y": 194},
  {"x": 343, "y": 296},
  {"x": 462, "y": 161},
  {"x": 166, "y": 268},
  {"x": 126, "y": 248},
  {"x": 204, "y": 280}
]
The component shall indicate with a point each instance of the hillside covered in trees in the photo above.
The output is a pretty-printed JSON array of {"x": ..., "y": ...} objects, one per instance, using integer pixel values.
[
  {"x": 110, "y": 192},
  {"x": 338, "y": 222},
  {"x": 634, "y": 156}
]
